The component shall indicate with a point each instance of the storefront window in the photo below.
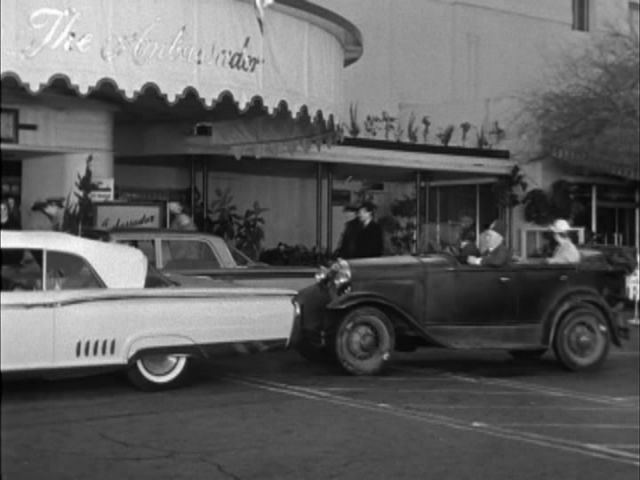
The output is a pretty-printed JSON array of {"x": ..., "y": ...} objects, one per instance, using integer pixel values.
[
  {"x": 455, "y": 209},
  {"x": 612, "y": 219}
]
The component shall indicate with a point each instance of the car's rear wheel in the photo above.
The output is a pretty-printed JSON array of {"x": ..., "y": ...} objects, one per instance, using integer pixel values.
[
  {"x": 158, "y": 371},
  {"x": 527, "y": 354},
  {"x": 582, "y": 339},
  {"x": 364, "y": 341}
]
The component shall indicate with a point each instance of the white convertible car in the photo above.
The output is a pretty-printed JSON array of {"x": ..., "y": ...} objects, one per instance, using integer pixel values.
[{"x": 72, "y": 303}]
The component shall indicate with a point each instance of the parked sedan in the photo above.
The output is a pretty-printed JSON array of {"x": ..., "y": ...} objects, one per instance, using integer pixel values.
[
  {"x": 361, "y": 311},
  {"x": 197, "y": 254},
  {"x": 70, "y": 303}
]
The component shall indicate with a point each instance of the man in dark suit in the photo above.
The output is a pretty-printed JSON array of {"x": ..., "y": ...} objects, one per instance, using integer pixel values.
[
  {"x": 348, "y": 242},
  {"x": 369, "y": 242},
  {"x": 496, "y": 253}
]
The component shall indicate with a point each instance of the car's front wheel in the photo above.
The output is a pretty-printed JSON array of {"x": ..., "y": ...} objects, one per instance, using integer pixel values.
[
  {"x": 364, "y": 341},
  {"x": 582, "y": 339},
  {"x": 158, "y": 371}
]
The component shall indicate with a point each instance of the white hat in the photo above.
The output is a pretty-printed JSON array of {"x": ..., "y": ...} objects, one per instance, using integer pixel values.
[
  {"x": 560, "y": 226},
  {"x": 175, "y": 207}
]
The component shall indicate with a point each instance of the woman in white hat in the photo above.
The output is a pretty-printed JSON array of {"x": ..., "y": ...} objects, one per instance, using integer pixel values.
[{"x": 566, "y": 251}]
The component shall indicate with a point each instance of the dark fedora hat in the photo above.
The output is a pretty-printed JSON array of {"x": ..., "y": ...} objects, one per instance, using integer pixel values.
[{"x": 368, "y": 206}]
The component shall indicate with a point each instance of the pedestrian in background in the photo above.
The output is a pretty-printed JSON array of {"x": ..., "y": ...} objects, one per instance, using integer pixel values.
[
  {"x": 179, "y": 219},
  {"x": 347, "y": 246},
  {"x": 14, "y": 211},
  {"x": 369, "y": 241},
  {"x": 46, "y": 215},
  {"x": 6, "y": 221}
]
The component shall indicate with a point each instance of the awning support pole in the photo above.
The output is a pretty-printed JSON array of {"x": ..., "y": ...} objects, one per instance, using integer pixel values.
[
  {"x": 318, "y": 206},
  {"x": 192, "y": 186},
  {"x": 329, "y": 210},
  {"x": 205, "y": 191},
  {"x": 594, "y": 209},
  {"x": 416, "y": 245}
]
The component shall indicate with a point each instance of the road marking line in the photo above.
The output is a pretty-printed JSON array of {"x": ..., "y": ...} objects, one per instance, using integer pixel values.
[
  {"x": 552, "y": 391},
  {"x": 620, "y": 445},
  {"x": 524, "y": 407},
  {"x": 617, "y": 426},
  {"x": 427, "y": 390},
  {"x": 619, "y": 456}
]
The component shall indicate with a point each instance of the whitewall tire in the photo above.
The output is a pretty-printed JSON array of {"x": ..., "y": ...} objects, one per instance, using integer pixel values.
[{"x": 158, "y": 371}]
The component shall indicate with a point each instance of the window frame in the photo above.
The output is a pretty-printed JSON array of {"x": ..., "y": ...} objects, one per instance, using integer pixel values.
[{"x": 45, "y": 267}]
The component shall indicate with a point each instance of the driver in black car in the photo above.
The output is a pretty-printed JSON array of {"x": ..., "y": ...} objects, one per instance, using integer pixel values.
[{"x": 495, "y": 253}]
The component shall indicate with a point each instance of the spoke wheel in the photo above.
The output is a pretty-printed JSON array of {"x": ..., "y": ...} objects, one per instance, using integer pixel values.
[
  {"x": 582, "y": 339},
  {"x": 364, "y": 341},
  {"x": 157, "y": 371}
]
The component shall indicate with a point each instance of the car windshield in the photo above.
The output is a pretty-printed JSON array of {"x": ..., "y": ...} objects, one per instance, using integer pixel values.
[
  {"x": 240, "y": 258},
  {"x": 155, "y": 279}
]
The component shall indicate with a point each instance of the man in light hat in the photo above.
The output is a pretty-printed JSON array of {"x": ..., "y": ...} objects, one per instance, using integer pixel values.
[
  {"x": 566, "y": 251},
  {"x": 492, "y": 247}
]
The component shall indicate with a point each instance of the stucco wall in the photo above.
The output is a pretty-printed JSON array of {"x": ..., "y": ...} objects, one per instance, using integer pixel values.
[{"x": 291, "y": 217}]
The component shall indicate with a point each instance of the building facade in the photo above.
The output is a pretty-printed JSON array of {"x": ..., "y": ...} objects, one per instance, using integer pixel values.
[
  {"x": 142, "y": 100},
  {"x": 167, "y": 107},
  {"x": 454, "y": 72}
]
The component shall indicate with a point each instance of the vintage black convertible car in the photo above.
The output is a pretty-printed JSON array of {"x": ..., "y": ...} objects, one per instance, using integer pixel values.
[{"x": 361, "y": 311}]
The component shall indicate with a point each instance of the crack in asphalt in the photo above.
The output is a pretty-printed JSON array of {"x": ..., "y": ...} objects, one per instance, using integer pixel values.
[{"x": 171, "y": 453}]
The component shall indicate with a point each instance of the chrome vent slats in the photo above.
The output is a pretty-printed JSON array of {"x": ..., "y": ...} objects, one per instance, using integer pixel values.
[{"x": 96, "y": 347}]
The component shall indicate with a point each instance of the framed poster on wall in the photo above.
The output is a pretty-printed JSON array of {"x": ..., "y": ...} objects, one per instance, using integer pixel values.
[{"x": 110, "y": 215}]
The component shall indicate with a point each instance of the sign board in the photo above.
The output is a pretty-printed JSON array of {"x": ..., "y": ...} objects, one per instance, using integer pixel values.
[
  {"x": 108, "y": 216},
  {"x": 103, "y": 191}
]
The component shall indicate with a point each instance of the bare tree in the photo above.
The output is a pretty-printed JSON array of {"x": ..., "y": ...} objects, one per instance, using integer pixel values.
[{"x": 588, "y": 110}]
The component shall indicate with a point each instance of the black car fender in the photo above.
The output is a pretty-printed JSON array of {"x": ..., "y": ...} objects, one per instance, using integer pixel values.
[
  {"x": 398, "y": 316},
  {"x": 568, "y": 299}
]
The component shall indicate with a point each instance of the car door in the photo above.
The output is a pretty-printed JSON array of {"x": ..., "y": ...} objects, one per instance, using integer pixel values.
[
  {"x": 485, "y": 295},
  {"x": 85, "y": 323},
  {"x": 537, "y": 285},
  {"x": 27, "y": 320}
]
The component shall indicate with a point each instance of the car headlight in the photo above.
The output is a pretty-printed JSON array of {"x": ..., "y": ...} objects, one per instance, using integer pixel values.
[
  {"x": 341, "y": 273},
  {"x": 322, "y": 275}
]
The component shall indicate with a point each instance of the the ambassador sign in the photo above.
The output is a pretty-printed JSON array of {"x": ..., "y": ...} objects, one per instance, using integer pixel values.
[{"x": 108, "y": 216}]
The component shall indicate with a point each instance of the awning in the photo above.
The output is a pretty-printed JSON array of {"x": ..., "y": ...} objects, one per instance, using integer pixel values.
[
  {"x": 215, "y": 48},
  {"x": 386, "y": 154},
  {"x": 626, "y": 166}
]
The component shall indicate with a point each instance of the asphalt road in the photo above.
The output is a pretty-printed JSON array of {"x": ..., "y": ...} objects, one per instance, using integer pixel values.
[{"x": 434, "y": 415}]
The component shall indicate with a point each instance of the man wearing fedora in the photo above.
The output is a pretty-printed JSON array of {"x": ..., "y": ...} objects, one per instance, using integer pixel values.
[
  {"x": 347, "y": 247},
  {"x": 566, "y": 251},
  {"x": 369, "y": 240}
]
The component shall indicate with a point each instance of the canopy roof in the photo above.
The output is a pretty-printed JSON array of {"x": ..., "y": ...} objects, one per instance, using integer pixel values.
[{"x": 208, "y": 61}]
